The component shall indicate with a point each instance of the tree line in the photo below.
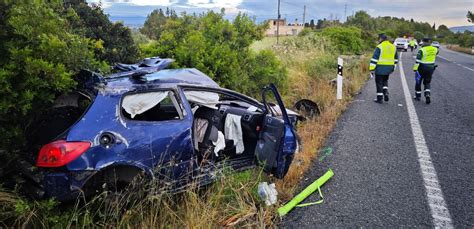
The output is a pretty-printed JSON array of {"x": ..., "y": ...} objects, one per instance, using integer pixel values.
[{"x": 399, "y": 27}]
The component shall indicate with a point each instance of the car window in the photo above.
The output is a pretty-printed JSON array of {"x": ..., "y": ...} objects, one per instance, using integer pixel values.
[
  {"x": 152, "y": 106},
  {"x": 67, "y": 110},
  {"x": 214, "y": 100}
]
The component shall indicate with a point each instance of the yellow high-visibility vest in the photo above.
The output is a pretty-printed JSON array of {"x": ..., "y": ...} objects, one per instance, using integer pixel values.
[
  {"x": 428, "y": 56},
  {"x": 387, "y": 53}
]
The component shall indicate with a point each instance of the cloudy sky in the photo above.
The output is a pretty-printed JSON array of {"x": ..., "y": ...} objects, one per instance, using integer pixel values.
[{"x": 448, "y": 12}]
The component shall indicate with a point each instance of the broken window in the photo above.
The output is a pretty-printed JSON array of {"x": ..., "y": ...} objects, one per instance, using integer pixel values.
[
  {"x": 152, "y": 106},
  {"x": 66, "y": 110}
]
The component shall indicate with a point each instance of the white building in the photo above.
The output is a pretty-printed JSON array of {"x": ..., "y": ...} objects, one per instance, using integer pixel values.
[{"x": 285, "y": 29}]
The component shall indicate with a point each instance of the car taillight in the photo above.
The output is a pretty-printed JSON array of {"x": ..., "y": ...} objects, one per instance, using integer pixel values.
[{"x": 59, "y": 153}]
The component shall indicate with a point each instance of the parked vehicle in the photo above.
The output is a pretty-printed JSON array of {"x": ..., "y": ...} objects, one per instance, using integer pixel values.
[
  {"x": 174, "y": 126},
  {"x": 435, "y": 44},
  {"x": 401, "y": 43}
]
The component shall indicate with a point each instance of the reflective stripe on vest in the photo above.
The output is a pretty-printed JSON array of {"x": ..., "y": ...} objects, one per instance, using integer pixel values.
[
  {"x": 428, "y": 55},
  {"x": 387, "y": 53}
]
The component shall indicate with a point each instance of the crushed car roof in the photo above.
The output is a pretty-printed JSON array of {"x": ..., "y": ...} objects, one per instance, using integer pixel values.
[{"x": 166, "y": 77}]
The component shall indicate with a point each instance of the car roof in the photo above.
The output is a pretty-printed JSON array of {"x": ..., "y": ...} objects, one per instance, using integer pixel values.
[{"x": 163, "y": 78}]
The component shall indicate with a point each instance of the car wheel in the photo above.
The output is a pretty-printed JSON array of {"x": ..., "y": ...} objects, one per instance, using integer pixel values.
[{"x": 115, "y": 182}]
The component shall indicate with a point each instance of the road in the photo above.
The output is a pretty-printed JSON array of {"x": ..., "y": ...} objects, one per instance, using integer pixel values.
[{"x": 403, "y": 163}]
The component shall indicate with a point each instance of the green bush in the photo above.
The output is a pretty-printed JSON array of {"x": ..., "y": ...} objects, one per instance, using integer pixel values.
[
  {"x": 219, "y": 48},
  {"x": 40, "y": 54},
  {"x": 347, "y": 40}
]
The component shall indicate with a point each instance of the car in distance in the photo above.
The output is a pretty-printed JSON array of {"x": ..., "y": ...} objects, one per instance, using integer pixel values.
[
  {"x": 435, "y": 44},
  {"x": 401, "y": 43},
  {"x": 174, "y": 126}
]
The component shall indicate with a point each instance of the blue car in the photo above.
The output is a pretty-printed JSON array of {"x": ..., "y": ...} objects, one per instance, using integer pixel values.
[{"x": 175, "y": 126}]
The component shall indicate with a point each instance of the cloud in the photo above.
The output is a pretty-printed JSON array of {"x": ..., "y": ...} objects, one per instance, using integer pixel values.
[{"x": 449, "y": 12}]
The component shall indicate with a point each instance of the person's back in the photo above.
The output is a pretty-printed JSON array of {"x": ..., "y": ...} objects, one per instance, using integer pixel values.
[
  {"x": 382, "y": 64},
  {"x": 412, "y": 44},
  {"x": 424, "y": 69}
]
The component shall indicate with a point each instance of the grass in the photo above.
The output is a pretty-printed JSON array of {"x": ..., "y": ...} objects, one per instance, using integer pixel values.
[
  {"x": 233, "y": 200},
  {"x": 458, "y": 48},
  {"x": 312, "y": 65}
]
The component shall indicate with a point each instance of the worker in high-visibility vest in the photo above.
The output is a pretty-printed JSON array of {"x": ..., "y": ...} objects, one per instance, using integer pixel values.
[
  {"x": 412, "y": 44},
  {"x": 424, "y": 68},
  {"x": 383, "y": 63}
]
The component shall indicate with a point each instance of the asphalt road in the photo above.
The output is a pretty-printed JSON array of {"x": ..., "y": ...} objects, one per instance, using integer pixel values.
[{"x": 378, "y": 179}]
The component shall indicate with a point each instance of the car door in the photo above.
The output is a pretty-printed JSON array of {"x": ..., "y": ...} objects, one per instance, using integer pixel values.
[
  {"x": 159, "y": 116},
  {"x": 277, "y": 141}
]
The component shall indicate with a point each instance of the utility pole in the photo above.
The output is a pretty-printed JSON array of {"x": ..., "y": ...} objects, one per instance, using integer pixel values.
[
  {"x": 304, "y": 16},
  {"x": 278, "y": 22},
  {"x": 345, "y": 12}
]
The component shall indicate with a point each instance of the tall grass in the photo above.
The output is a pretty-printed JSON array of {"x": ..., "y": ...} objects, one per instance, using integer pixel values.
[
  {"x": 232, "y": 201},
  {"x": 312, "y": 65}
]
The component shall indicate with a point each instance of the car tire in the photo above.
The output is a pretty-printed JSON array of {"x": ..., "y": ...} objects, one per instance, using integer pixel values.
[{"x": 114, "y": 182}]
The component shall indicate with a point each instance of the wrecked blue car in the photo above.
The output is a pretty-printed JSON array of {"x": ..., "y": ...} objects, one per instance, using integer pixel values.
[{"x": 173, "y": 125}]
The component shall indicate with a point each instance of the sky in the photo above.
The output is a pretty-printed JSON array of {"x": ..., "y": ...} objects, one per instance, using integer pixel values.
[{"x": 448, "y": 12}]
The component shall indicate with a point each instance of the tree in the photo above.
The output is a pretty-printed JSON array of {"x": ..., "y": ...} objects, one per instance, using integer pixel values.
[
  {"x": 418, "y": 35},
  {"x": 443, "y": 31},
  {"x": 41, "y": 53},
  {"x": 154, "y": 24},
  {"x": 311, "y": 24},
  {"x": 362, "y": 20},
  {"x": 92, "y": 22},
  {"x": 470, "y": 16},
  {"x": 219, "y": 48}
]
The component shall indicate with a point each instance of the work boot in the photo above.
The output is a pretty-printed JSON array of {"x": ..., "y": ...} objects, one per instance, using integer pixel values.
[
  {"x": 379, "y": 98},
  {"x": 428, "y": 99},
  {"x": 417, "y": 96},
  {"x": 385, "y": 96}
]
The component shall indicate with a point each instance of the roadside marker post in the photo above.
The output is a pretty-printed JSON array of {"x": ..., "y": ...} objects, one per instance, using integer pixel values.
[{"x": 339, "y": 78}]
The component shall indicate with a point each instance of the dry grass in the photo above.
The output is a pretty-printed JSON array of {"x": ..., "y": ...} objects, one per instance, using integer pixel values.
[
  {"x": 233, "y": 200},
  {"x": 458, "y": 48},
  {"x": 309, "y": 79}
]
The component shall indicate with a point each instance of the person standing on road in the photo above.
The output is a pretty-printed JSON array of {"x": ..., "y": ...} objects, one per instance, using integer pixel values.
[
  {"x": 412, "y": 44},
  {"x": 383, "y": 63},
  {"x": 424, "y": 68}
]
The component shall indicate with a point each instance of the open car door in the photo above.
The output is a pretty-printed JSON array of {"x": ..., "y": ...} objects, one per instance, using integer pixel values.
[{"x": 277, "y": 142}]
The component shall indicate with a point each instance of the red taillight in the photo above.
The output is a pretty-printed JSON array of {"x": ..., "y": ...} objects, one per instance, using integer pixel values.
[{"x": 59, "y": 153}]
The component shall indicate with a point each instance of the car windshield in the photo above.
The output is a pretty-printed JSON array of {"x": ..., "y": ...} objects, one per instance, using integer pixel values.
[{"x": 400, "y": 40}]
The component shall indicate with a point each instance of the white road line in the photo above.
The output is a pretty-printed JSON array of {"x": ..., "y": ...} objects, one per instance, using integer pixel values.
[
  {"x": 468, "y": 68},
  {"x": 444, "y": 58},
  {"x": 434, "y": 194}
]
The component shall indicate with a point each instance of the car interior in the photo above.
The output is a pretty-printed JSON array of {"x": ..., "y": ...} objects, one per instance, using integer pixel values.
[
  {"x": 231, "y": 117},
  {"x": 67, "y": 109}
]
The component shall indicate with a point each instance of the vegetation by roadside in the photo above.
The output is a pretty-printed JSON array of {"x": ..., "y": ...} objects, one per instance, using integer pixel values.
[
  {"x": 312, "y": 62},
  {"x": 458, "y": 48}
]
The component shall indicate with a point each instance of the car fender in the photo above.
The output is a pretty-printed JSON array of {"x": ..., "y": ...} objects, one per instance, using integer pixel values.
[{"x": 103, "y": 165}]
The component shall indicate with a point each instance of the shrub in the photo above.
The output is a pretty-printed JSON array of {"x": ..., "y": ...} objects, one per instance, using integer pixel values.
[
  {"x": 41, "y": 54},
  {"x": 219, "y": 48},
  {"x": 347, "y": 40}
]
